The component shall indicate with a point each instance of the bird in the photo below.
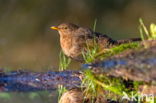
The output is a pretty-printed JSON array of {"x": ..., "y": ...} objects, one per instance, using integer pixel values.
[
  {"x": 75, "y": 39},
  {"x": 77, "y": 95},
  {"x": 72, "y": 96}
]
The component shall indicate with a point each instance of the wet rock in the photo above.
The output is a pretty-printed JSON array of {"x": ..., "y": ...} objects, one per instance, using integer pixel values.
[{"x": 30, "y": 81}]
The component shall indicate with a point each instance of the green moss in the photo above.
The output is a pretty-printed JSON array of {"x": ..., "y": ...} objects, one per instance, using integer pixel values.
[
  {"x": 118, "y": 49},
  {"x": 94, "y": 53},
  {"x": 95, "y": 83},
  {"x": 110, "y": 87}
]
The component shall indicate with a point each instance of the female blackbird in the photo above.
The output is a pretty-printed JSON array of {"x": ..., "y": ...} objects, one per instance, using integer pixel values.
[{"x": 73, "y": 39}]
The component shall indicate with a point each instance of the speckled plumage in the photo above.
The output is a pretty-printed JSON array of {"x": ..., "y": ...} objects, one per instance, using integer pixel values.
[
  {"x": 73, "y": 39},
  {"x": 72, "y": 96}
]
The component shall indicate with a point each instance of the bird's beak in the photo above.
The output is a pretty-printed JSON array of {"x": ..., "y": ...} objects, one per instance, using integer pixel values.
[{"x": 54, "y": 28}]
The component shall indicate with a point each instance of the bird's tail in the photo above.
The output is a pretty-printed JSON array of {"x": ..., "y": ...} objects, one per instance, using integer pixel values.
[{"x": 128, "y": 40}]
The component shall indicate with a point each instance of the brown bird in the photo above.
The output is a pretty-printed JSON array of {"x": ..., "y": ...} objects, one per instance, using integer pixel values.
[
  {"x": 72, "y": 96},
  {"x": 74, "y": 39},
  {"x": 78, "y": 96}
]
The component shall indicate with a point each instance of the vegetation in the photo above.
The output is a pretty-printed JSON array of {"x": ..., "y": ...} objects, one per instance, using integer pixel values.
[
  {"x": 64, "y": 63},
  {"x": 114, "y": 87},
  {"x": 92, "y": 51},
  {"x": 148, "y": 34},
  {"x": 96, "y": 84},
  {"x": 145, "y": 33}
]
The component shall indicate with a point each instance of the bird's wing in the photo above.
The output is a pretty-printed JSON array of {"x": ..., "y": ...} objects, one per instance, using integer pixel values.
[
  {"x": 83, "y": 36},
  {"x": 83, "y": 32}
]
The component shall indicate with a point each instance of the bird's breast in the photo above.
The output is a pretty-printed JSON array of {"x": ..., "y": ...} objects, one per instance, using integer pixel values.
[
  {"x": 66, "y": 44},
  {"x": 71, "y": 46}
]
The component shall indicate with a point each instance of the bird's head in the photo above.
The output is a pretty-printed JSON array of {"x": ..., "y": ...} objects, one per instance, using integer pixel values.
[{"x": 65, "y": 28}]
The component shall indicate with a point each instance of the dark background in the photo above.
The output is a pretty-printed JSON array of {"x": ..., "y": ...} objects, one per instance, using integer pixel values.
[{"x": 27, "y": 42}]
